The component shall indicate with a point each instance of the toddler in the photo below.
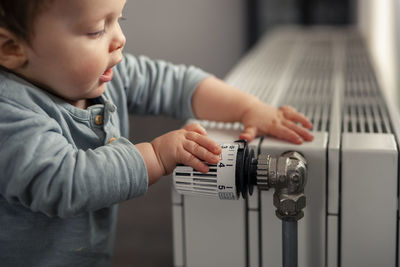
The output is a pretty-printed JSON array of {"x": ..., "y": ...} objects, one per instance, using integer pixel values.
[{"x": 66, "y": 91}]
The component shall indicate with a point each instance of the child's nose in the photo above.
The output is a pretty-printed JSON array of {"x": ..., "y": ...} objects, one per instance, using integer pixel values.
[{"x": 118, "y": 41}]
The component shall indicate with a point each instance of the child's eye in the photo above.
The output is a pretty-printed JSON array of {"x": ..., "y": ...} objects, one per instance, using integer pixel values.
[{"x": 97, "y": 34}]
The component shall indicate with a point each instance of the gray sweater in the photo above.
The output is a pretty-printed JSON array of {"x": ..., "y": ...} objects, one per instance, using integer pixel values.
[{"x": 61, "y": 178}]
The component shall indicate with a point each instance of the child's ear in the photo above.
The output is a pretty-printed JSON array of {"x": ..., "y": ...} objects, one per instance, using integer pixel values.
[{"x": 12, "y": 52}]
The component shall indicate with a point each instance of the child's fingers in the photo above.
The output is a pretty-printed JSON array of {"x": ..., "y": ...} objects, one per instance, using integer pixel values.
[
  {"x": 249, "y": 133},
  {"x": 287, "y": 134},
  {"x": 204, "y": 141},
  {"x": 195, "y": 127},
  {"x": 200, "y": 152},
  {"x": 305, "y": 134},
  {"x": 291, "y": 114},
  {"x": 189, "y": 159}
]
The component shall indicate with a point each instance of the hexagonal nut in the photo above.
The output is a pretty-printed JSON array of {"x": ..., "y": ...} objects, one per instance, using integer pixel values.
[
  {"x": 301, "y": 202},
  {"x": 284, "y": 204},
  {"x": 290, "y": 218},
  {"x": 289, "y": 204}
]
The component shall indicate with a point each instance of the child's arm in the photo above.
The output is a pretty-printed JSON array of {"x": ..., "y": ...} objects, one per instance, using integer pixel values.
[
  {"x": 158, "y": 87},
  {"x": 216, "y": 100},
  {"x": 42, "y": 170}
]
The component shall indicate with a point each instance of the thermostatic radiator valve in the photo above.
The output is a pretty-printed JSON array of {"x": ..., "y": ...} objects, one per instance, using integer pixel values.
[{"x": 239, "y": 170}]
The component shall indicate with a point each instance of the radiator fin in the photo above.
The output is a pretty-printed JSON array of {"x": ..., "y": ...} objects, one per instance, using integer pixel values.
[
  {"x": 304, "y": 69},
  {"x": 364, "y": 110},
  {"x": 310, "y": 90}
]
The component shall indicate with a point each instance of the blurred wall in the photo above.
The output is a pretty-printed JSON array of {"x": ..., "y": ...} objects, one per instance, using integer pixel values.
[
  {"x": 206, "y": 33},
  {"x": 209, "y": 34},
  {"x": 272, "y": 13},
  {"x": 379, "y": 22}
]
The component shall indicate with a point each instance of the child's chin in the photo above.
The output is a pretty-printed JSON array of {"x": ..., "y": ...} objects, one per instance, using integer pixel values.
[{"x": 98, "y": 91}]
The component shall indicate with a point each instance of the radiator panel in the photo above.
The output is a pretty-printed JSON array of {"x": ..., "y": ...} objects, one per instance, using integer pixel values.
[
  {"x": 351, "y": 216},
  {"x": 332, "y": 244},
  {"x": 215, "y": 232},
  {"x": 368, "y": 200}
]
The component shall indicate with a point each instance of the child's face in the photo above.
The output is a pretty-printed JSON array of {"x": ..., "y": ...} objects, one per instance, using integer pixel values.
[{"x": 75, "y": 44}]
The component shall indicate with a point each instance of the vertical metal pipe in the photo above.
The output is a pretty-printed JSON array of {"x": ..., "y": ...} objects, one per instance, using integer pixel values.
[{"x": 289, "y": 243}]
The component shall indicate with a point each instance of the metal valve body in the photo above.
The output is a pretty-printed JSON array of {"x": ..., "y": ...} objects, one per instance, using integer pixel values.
[{"x": 239, "y": 171}]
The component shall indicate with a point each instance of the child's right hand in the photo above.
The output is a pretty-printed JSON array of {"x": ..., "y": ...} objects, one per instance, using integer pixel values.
[{"x": 189, "y": 145}]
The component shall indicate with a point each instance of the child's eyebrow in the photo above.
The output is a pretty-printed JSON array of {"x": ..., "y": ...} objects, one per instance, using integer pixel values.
[{"x": 98, "y": 18}]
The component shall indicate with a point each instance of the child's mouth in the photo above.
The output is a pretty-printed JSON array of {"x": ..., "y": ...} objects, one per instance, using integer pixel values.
[{"x": 106, "y": 76}]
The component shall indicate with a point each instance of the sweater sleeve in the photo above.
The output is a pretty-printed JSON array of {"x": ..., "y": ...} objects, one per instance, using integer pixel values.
[
  {"x": 43, "y": 172},
  {"x": 159, "y": 87}
]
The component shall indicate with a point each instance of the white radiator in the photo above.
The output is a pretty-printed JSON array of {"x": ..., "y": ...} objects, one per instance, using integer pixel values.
[{"x": 351, "y": 217}]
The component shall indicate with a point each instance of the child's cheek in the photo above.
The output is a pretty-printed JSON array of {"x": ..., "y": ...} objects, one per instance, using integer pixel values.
[{"x": 90, "y": 71}]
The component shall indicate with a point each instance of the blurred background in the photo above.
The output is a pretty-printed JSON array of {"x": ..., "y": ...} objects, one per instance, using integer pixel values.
[{"x": 214, "y": 35}]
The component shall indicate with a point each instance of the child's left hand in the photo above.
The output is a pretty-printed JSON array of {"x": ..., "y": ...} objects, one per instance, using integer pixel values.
[{"x": 263, "y": 119}]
